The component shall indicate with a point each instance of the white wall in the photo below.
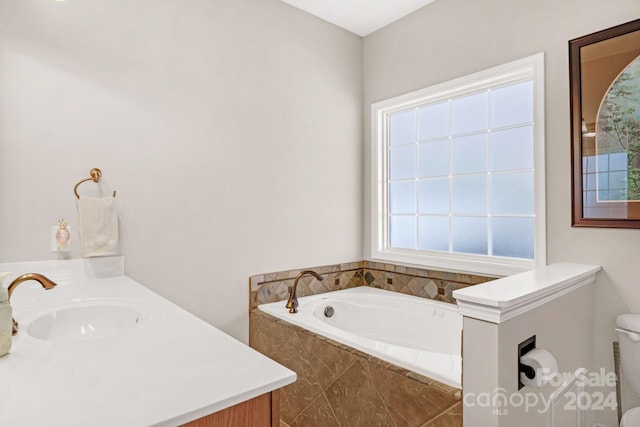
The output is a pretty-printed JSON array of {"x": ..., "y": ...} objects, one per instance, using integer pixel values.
[
  {"x": 452, "y": 38},
  {"x": 231, "y": 131}
]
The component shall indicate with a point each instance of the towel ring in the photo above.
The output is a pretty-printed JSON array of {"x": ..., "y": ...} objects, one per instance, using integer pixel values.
[{"x": 96, "y": 174}]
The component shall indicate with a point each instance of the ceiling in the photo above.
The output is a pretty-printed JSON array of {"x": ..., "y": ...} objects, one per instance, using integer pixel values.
[{"x": 361, "y": 17}]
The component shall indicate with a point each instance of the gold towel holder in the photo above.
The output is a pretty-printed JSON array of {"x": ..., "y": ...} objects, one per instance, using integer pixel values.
[{"x": 95, "y": 177}]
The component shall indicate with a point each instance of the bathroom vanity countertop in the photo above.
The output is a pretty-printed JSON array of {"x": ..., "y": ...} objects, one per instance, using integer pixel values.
[{"x": 170, "y": 369}]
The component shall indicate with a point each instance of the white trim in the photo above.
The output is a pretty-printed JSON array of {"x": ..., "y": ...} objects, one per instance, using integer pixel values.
[
  {"x": 502, "y": 299},
  {"x": 532, "y": 68}
]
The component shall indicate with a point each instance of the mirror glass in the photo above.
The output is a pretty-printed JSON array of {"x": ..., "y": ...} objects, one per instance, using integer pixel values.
[{"x": 605, "y": 85}]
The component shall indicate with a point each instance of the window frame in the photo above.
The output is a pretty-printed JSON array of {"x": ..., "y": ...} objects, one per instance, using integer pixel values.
[{"x": 529, "y": 68}]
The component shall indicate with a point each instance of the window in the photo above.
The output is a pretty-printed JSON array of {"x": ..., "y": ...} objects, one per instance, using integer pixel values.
[{"x": 458, "y": 173}]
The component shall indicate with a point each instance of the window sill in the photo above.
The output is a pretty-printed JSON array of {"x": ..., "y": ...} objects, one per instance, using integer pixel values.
[{"x": 460, "y": 263}]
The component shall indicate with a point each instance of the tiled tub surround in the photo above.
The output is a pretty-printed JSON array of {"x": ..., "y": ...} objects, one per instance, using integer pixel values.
[
  {"x": 340, "y": 386},
  {"x": 437, "y": 285},
  {"x": 417, "y": 334}
]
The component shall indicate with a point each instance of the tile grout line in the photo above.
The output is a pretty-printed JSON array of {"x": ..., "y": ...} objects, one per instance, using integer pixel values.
[
  {"x": 426, "y": 424},
  {"x": 386, "y": 408},
  {"x": 322, "y": 393},
  {"x": 333, "y": 412},
  {"x": 322, "y": 390}
]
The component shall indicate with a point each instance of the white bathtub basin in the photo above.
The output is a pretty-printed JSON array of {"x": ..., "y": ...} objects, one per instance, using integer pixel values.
[
  {"x": 415, "y": 333},
  {"x": 86, "y": 320}
]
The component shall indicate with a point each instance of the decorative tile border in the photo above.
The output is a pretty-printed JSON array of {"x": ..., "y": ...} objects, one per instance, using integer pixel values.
[{"x": 433, "y": 284}]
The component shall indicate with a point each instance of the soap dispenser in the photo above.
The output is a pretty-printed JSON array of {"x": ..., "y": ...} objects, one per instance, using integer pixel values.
[{"x": 5, "y": 319}]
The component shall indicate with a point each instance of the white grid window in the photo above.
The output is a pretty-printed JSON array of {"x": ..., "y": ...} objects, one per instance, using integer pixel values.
[{"x": 460, "y": 175}]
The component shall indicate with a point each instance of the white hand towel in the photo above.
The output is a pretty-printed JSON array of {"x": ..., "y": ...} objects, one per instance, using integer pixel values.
[{"x": 98, "y": 226}]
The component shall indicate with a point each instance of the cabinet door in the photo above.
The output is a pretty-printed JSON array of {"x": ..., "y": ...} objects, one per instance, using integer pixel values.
[{"x": 262, "y": 411}]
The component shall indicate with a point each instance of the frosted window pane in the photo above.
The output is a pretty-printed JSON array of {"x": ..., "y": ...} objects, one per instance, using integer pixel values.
[
  {"x": 402, "y": 197},
  {"x": 433, "y": 233},
  {"x": 402, "y": 162},
  {"x": 469, "y": 154},
  {"x": 512, "y": 193},
  {"x": 469, "y": 114},
  {"x": 433, "y": 196},
  {"x": 402, "y": 232},
  {"x": 402, "y": 128},
  {"x": 469, "y": 195},
  {"x": 469, "y": 235},
  {"x": 512, "y": 105},
  {"x": 512, "y": 237},
  {"x": 433, "y": 121},
  {"x": 433, "y": 158},
  {"x": 512, "y": 149}
]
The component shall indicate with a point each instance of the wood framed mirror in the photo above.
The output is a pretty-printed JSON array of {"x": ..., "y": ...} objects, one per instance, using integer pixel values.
[{"x": 604, "y": 73}]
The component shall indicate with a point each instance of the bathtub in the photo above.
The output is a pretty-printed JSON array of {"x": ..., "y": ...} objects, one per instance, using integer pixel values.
[{"x": 414, "y": 333}]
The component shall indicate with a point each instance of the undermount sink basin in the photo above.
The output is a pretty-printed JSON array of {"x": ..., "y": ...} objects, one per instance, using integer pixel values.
[{"x": 85, "y": 322}]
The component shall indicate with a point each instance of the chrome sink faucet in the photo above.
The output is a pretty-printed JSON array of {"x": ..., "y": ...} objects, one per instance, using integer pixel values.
[
  {"x": 43, "y": 280},
  {"x": 292, "y": 302}
]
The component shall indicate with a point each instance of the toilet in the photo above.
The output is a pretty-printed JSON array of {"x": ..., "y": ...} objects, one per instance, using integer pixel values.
[{"x": 628, "y": 327}]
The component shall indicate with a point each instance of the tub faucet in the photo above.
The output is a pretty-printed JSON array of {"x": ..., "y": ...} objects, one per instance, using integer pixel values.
[
  {"x": 292, "y": 303},
  {"x": 44, "y": 281}
]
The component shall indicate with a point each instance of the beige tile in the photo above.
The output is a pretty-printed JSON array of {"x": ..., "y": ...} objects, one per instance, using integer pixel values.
[
  {"x": 266, "y": 334},
  {"x": 355, "y": 401},
  {"x": 318, "y": 287},
  {"x": 424, "y": 273},
  {"x": 282, "y": 275},
  {"x": 327, "y": 361},
  {"x": 306, "y": 388},
  {"x": 431, "y": 289},
  {"x": 450, "y": 418},
  {"x": 415, "y": 285},
  {"x": 254, "y": 281},
  {"x": 354, "y": 282},
  {"x": 476, "y": 280},
  {"x": 318, "y": 414},
  {"x": 253, "y": 300},
  {"x": 411, "y": 403},
  {"x": 272, "y": 292},
  {"x": 284, "y": 403}
]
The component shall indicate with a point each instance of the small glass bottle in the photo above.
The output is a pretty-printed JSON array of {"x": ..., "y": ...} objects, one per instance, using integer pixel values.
[{"x": 6, "y": 324}]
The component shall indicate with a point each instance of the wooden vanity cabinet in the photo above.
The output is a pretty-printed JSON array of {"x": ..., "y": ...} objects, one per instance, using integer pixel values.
[{"x": 261, "y": 411}]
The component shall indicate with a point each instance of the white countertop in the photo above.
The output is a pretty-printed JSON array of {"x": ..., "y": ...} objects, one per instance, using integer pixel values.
[
  {"x": 170, "y": 369},
  {"x": 501, "y": 299}
]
